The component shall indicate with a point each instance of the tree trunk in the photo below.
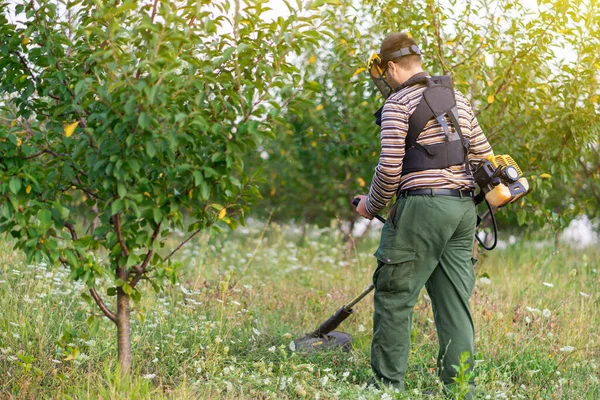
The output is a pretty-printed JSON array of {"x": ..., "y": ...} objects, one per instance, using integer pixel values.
[{"x": 123, "y": 331}]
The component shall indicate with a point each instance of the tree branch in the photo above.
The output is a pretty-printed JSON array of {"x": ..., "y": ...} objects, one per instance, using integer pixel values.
[
  {"x": 117, "y": 223},
  {"x": 154, "y": 10},
  {"x": 109, "y": 314},
  {"x": 35, "y": 155},
  {"x": 142, "y": 268},
  {"x": 71, "y": 229},
  {"x": 182, "y": 243},
  {"x": 439, "y": 40}
]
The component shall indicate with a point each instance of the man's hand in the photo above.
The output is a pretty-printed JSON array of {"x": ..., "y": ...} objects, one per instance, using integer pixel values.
[{"x": 360, "y": 208}]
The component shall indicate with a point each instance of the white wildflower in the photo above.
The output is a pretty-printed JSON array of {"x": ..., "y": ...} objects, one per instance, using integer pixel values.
[
  {"x": 155, "y": 360},
  {"x": 256, "y": 332},
  {"x": 361, "y": 328},
  {"x": 567, "y": 349},
  {"x": 272, "y": 349},
  {"x": 584, "y": 294},
  {"x": 533, "y": 310},
  {"x": 561, "y": 381},
  {"x": 292, "y": 346},
  {"x": 546, "y": 313},
  {"x": 218, "y": 340},
  {"x": 12, "y": 358},
  {"x": 386, "y": 396},
  {"x": 282, "y": 384},
  {"x": 346, "y": 374},
  {"x": 527, "y": 320},
  {"x": 57, "y": 361},
  {"x": 324, "y": 380},
  {"x": 484, "y": 280},
  {"x": 548, "y": 284},
  {"x": 149, "y": 376}
]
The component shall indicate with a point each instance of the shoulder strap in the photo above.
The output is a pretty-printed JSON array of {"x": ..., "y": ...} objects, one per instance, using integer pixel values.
[{"x": 420, "y": 77}]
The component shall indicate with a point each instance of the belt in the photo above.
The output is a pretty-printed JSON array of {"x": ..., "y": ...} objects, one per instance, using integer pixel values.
[{"x": 438, "y": 192}]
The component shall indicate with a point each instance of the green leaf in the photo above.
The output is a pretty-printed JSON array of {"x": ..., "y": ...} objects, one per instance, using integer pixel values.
[
  {"x": 144, "y": 120},
  {"x": 150, "y": 148},
  {"x": 45, "y": 218},
  {"x": 111, "y": 291},
  {"x": 116, "y": 206},
  {"x": 198, "y": 179},
  {"x": 132, "y": 259},
  {"x": 136, "y": 296},
  {"x": 157, "y": 214},
  {"x": 121, "y": 190},
  {"x": 204, "y": 191},
  {"x": 15, "y": 185},
  {"x": 6, "y": 211},
  {"x": 127, "y": 289},
  {"x": 93, "y": 325}
]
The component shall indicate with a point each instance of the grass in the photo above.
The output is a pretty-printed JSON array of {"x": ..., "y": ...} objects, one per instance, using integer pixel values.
[{"x": 224, "y": 331}]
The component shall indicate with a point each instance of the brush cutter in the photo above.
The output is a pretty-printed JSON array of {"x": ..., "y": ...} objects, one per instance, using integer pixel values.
[{"x": 324, "y": 336}]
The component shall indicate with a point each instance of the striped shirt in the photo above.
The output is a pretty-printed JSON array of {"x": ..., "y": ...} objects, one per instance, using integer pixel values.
[{"x": 387, "y": 180}]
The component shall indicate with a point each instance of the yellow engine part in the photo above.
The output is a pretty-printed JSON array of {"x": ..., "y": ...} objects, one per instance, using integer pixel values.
[{"x": 505, "y": 160}]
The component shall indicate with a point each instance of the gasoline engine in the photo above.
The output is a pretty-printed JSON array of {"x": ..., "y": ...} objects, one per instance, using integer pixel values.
[{"x": 500, "y": 182}]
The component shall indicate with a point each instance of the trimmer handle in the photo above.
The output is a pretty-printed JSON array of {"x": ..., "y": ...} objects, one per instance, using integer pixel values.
[{"x": 356, "y": 201}]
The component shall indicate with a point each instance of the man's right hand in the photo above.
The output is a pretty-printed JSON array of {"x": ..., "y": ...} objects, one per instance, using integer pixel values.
[{"x": 360, "y": 208}]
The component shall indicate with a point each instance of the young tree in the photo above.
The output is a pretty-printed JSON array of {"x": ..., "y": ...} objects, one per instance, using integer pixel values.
[
  {"x": 327, "y": 151},
  {"x": 120, "y": 118}
]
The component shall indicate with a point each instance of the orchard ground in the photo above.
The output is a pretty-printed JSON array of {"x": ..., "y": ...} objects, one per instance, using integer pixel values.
[{"x": 225, "y": 330}]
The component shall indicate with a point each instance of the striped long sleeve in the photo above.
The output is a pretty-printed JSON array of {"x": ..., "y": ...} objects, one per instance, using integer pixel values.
[{"x": 388, "y": 179}]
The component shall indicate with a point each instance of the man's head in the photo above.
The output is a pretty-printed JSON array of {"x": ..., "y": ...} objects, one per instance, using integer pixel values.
[{"x": 399, "y": 69}]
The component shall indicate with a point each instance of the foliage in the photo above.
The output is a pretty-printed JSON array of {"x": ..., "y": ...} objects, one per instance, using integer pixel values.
[
  {"x": 328, "y": 149},
  {"x": 531, "y": 73},
  {"x": 532, "y": 76},
  {"x": 121, "y": 120}
]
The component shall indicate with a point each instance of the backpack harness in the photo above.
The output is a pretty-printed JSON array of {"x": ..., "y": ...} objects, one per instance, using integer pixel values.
[{"x": 438, "y": 102}]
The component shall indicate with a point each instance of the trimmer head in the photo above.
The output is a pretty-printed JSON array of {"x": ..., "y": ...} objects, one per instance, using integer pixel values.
[{"x": 329, "y": 341}]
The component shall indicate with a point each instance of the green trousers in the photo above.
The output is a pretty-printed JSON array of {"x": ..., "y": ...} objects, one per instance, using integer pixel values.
[{"x": 426, "y": 241}]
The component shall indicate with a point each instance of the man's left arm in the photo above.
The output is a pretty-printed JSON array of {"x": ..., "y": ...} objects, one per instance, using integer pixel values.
[{"x": 386, "y": 180}]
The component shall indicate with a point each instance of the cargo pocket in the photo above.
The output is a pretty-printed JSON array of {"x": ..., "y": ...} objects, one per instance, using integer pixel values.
[{"x": 394, "y": 271}]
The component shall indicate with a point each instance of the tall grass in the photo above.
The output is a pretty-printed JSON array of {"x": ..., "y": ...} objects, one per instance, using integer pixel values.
[{"x": 224, "y": 331}]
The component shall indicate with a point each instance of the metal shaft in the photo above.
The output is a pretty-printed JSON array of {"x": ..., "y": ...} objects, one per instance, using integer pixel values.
[{"x": 358, "y": 298}]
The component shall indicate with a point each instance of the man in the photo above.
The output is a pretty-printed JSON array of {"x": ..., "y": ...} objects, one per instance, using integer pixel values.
[{"x": 428, "y": 238}]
